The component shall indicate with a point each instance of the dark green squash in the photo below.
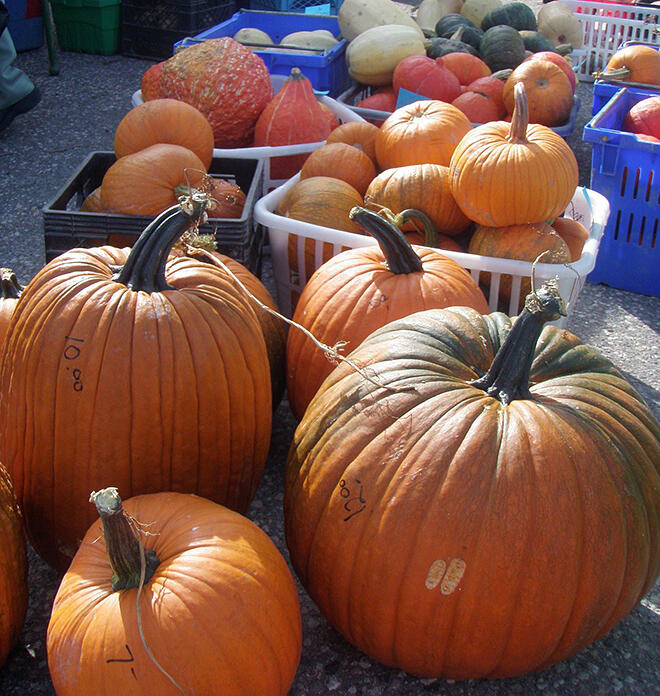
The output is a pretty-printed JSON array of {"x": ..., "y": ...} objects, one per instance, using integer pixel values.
[
  {"x": 502, "y": 47},
  {"x": 439, "y": 46},
  {"x": 514, "y": 14},
  {"x": 536, "y": 42},
  {"x": 450, "y": 23},
  {"x": 469, "y": 35}
]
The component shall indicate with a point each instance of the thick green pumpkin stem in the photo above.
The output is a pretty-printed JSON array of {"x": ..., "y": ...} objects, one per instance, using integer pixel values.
[
  {"x": 508, "y": 376},
  {"x": 10, "y": 289},
  {"x": 399, "y": 254},
  {"x": 145, "y": 267},
  {"x": 621, "y": 74},
  {"x": 122, "y": 542},
  {"x": 520, "y": 115}
]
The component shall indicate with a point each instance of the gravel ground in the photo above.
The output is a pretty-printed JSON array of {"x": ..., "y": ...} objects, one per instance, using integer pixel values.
[{"x": 79, "y": 112}]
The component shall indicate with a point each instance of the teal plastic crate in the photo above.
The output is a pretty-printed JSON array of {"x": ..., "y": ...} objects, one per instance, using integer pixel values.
[
  {"x": 327, "y": 70},
  {"x": 88, "y": 26},
  {"x": 626, "y": 170}
]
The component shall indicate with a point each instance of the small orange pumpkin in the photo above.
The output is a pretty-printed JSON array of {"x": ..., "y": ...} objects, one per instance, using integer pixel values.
[
  {"x": 342, "y": 161},
  {"x": 422, "y": 187},
  {"x": 424, "y": 132},
  {"x": 360, "y": 134},
  {"x": 165, "y": 121},
  {"x": 549, "y": 92},
  {"x": 465, "y": 66},
  {"x": 505, "y": 174},
  {"x": 634, "y": 63},
  {"x": 145, "y": 182},
  {"x": 322, "y": 200},
  {"x": 523, "y": 242},
  {"x": 574, "y": 233},
  {"x": 208, "y": 571}
]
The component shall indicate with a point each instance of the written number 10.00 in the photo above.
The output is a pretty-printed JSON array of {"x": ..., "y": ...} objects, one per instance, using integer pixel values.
[{"x": 72, "y": 352}]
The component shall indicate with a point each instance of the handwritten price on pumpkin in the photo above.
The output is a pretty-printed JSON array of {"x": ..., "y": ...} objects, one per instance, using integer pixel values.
[{"x": 71, "y": 353}]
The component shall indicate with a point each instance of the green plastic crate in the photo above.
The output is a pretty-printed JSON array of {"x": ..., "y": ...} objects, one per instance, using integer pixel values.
[{"x": 88, "y": 26}]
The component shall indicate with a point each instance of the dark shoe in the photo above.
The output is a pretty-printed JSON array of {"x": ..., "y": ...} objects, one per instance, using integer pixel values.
[{"x": 28, "y": 102}]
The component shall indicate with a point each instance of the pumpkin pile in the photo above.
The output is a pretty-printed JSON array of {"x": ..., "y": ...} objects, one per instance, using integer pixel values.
[
  {"x": 496, "y": 190},
  {"x": 473, "y": 58}
]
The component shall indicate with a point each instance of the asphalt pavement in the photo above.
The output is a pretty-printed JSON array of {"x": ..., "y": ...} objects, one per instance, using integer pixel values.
[{"x": 78, "y": 114}]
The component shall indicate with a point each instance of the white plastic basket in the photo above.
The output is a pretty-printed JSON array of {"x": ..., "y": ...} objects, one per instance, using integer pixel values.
[
  {"x": 341, "y": 111},
  {"x": 299, "y": 248},
  {"x": 606, "y": 26}
]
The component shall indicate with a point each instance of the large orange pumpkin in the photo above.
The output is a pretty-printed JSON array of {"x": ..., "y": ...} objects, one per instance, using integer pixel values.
[
  {"x": 219, "y": 610},
  {"x": 505, "y": 174},
  {"x": 422, "y": 187},
  {"x": 165, "y": 121},
  {"x": 360, "y": 290},
  {"x": 485, "y": 505},
  {"x": 424, "y": 132},
  {"x": 13, "y": 568},
  {"x": 121, "y": 364}
]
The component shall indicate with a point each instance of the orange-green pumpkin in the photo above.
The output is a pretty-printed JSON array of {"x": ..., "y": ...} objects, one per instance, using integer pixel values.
[
  {"x": 122, "y": 365},
  {"x": 487, "y": 504},
  {"x": 219, "y": 610}
]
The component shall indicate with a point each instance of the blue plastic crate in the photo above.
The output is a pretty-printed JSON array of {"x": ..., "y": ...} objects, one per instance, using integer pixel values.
[
  {"x": 626, "y": 170},
  {"x": 327, "y": 71},
  {"x": 313, "y": 6},
  {"x": 26, "y": 26}
]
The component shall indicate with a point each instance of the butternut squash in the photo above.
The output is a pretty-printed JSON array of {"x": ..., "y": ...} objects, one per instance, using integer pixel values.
[
  {"x": 430, "y": 11},
  {"x": 250, "y": 36},
  {"x": 356, "y": 16},
  {"x": 373, "y": 55},
  {"x": 320, "y": 39}
]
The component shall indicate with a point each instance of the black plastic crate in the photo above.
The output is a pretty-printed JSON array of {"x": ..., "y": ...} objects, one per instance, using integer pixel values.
[
  {"x": 67, "y": 227},
  {"x": 150, "y": 28}
]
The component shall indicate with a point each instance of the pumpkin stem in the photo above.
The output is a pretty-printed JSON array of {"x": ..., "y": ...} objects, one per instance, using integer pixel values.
[
  {"x": 145, "y": 267},
  {"x": 622, "y": 74},
  {"x": 10, "y": 289},
  {"x": 508, "y": 376},
  {"x": 399, "y": 254},
  {"x": 121, "y": 541},
  {"x": 520, "y": 116},
  {"x": 430, "y": 233}
]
